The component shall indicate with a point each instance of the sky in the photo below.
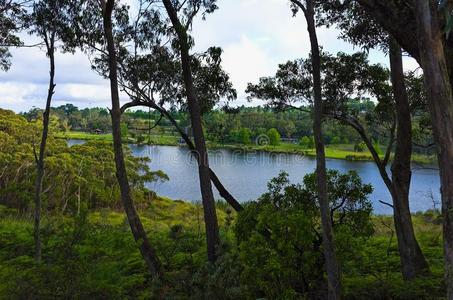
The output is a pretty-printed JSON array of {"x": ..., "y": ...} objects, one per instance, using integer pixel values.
[{"x": 256, "y": 36}]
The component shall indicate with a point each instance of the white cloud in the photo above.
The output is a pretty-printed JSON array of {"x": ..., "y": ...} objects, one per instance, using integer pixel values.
[
  {"x": 89, "y": 92},
  {"x": 246, "y": 61},
  {"x": 13, "y": 94},
  {"x": 256, "y": 36}
]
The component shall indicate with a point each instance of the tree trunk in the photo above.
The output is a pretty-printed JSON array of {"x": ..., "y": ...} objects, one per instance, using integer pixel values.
[
  {"x": 50, "y": 43},
  {"x": 224, "y": 193},
  {"x": 333, "y": 272},
  {"x": 413, "y": 262},
  {"x": 440, "y": 100},
  {"x": 210, "y": 215},
  {"x": 135, "y": 223}
]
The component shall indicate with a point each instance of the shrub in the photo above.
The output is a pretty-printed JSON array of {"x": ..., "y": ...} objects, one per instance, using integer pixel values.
[
  {"x": 279, "y": 234},
  {"x": 274, "y": 137}
]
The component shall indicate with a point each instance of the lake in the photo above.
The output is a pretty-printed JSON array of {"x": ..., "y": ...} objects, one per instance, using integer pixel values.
[{"x": 246, "y": 175}]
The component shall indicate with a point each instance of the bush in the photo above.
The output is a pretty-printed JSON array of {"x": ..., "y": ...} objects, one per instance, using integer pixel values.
[
  {"x": 307, "y": 142},
  {"x": 360, "y": 147},
  {"x": 335, "y": 140},
  {"x": 274, "y": 137},
  {"x": 279, "y": 234}
]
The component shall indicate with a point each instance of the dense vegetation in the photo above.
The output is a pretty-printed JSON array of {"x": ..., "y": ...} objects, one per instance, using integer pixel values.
[
  {"x": 63, "y": 233},
  {"x": 270, "y": 249},
  {"x": 241, "y": 127}
]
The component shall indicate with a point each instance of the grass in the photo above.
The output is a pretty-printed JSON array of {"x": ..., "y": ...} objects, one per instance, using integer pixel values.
[
  {"x": 168, "y": 140},
  {"x": 77, "y": 135},
  {"x": 103, "y": 262},
  {"x": 341, "y": 151}
]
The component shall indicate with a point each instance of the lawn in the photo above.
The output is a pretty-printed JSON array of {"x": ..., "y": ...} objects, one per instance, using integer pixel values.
[{"x": 340, "y": 151}]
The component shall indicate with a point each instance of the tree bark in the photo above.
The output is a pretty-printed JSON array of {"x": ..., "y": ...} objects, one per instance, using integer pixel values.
[
  {"x": 210, "y": 215},
  {"x": 50, "y": 45},
  {"x": 440, "y": 100},
  {"x": 413, "y": 262},
  {"x": 333, "y": 271},
  {"x": 135, "y": 223}
]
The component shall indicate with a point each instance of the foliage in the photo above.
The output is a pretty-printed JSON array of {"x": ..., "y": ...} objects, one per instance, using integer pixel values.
[
  {"x": 359, "y": 147},
  {"x": 274, "y": 137},
  {"x": 279, "y": 240},
  {"x": 307, "y": 142},
  {"x": 73, "y": 174},
  {"x": 13, "y": 18}
]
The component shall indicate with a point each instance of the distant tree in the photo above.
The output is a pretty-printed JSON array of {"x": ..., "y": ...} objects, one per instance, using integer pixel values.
[
  {"x": 140, "y": 138},
  {"x": 360, "y": 147},
  {"x": 306, "y": 142},
  {"x": 289, "y": 128},
  {"x": 244, "y": 136},
  {"x": 274, "y": 137},
  {"x": 124, "y": 131},
  {"x": 335, "y": 140}
]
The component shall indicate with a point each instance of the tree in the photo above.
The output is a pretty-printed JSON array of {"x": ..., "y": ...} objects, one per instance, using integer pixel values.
[
  {"x": 358, "y": 29},
  {"x": 307, "y": 142},
  {"x": 147, "y": 251},
  {"x": 150, "y": 75},
  {"x": 190, "y": 10},
  {"x": 47, "y": 23},
  {"x": 279, "y": 235},
  {"x": 333, "y": 272},
  {"x": 424, "y": 41},
  {"x": 92, "y": 27},
  {"x": 124, "y": 131},
  {"x": 290, "y": 129},
  {"x": 13, "y": 18},
  {"x": 344, "y": 76},
  {"x": 335, "y": 140},
  {"x": 274, "y": 137},
  {"x": 244, "y": 136}
]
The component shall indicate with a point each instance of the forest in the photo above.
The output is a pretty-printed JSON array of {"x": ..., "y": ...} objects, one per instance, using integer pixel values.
[{"x": 79, "y": 218}]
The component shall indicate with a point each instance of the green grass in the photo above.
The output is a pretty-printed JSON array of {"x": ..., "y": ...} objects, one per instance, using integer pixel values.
[
  {"x": 153, "y": 139},
  {"x": 342, "y": 151},
  {"x": 77, "y": 135},
  {"x": 100, "y": 260}
]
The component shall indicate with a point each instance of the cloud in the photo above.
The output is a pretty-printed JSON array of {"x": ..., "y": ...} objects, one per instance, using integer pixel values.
[
  {"x": 256, "y": 36},
  {"x": 246, "y": 61},
  {"x": 13, "y": 94}
]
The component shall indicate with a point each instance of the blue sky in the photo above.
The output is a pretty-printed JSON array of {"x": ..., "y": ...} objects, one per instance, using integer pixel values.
[{"x": 256, "y": 36}]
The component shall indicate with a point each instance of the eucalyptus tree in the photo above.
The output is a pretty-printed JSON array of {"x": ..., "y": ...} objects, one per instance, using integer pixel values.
[
  {"x": 181, "y": 15},
  {"x": 14, "y": 18},
  {"x": 309, "y": 8},
  {"x": 153, "y": 80},
  {"x": 356, "y": 28},
  {"x": 149, "y": 73},
  {"x": 345, "y": 78},
  {"x": 422, "y": 28},
  {"x": 47, "y": 21},
  {"x": 96, "y": 28}
]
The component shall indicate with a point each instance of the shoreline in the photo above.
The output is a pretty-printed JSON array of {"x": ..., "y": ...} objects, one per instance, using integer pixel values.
[{"x": 283, "y": 148}]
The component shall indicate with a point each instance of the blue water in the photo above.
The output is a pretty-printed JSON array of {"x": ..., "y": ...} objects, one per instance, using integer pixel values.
[{"x": 246, "y": 175}]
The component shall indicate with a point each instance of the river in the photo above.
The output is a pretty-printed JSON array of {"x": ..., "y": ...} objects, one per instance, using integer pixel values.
[{"x": 245, "y": 175}]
